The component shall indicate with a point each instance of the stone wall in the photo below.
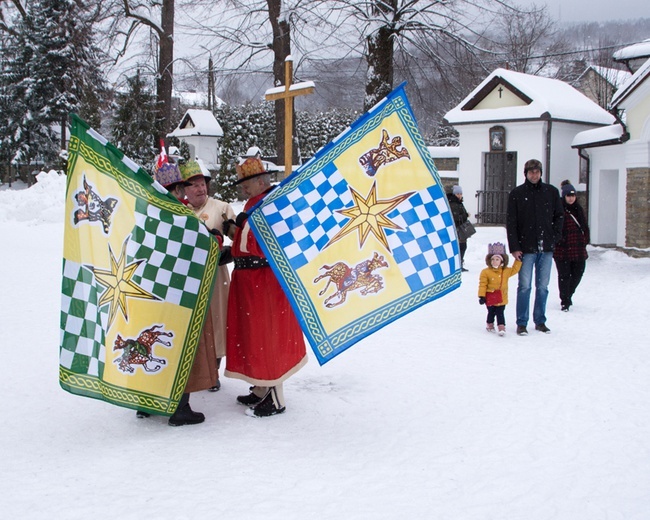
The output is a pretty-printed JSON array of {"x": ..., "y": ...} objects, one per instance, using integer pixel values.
[
  {"x": 637, "y": 232},
  {"x": 447, "y": 164}
]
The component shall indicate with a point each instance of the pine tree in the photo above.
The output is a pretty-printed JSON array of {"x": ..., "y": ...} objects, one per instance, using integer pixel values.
[
  {"x": 134, "y": 125},
  {"x": 56, "y": 72}
]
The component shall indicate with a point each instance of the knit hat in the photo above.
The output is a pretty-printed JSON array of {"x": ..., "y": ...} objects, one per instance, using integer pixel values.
[
  {"x": 568, "y": 189},
  {"x": 191, "y": 169},
  {"x": 249, "y": 168},
  {"x": 168, "y": 174},
  {"x": 457, "y": 190}
]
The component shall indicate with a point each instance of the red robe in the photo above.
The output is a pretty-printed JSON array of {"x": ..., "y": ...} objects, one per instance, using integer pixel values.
[{"x": 264, "y": 344}]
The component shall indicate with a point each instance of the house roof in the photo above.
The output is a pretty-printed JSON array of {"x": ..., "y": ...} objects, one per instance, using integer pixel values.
[
  {"x": 195, "y": 99},
  {"x": 614, "y": 77},
  {"x": 634, "y": 51},
  {"x": 631, "y": 84},
  {"x": 526, "y": 98},
  {"x": 606, "y": 135},
  {"x": 197, "y": 123}
]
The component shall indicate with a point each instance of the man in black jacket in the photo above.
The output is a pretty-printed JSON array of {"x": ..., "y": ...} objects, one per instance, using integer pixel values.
[{"x": 534, "y": 226}]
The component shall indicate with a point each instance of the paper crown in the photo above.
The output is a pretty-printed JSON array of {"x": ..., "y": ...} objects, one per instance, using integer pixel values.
[
  {"x": 249, "y": 168},
  {"x": 191, "y": 169},
  {"x": 496, "y": 249},
  {"x": 168, "y": 174}
]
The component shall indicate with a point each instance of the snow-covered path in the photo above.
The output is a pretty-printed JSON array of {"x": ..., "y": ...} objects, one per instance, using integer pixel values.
[{"x": 431, "y": 417}]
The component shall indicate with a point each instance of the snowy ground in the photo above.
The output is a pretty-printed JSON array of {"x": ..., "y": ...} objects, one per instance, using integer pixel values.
[{"x": 430, "y": 418}]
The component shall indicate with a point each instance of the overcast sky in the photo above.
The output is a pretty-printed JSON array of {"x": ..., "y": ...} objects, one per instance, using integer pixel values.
[{"x": 594, "y": 10}]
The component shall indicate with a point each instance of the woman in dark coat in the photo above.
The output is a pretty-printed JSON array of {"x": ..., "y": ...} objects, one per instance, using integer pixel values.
[
  {"x": 460, "y": 216},
  {"x": 570, "y": 253}
]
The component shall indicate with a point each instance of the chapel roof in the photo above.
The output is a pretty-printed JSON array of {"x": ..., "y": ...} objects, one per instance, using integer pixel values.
[
  {"x": 197, "y": 122},
  {"x": 506, "y": 95}
]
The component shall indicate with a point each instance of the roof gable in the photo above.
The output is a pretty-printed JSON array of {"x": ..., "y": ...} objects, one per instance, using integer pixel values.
[
  {"x": 632, "y": 84},
  {"x": 497, "y": 93},
  {"x": 199, "y": 123},
  {"x": 525, "y": 97}
]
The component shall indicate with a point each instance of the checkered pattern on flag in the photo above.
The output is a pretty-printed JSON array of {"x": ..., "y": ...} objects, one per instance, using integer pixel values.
[
  {"x": 362, "y": 234},
  {"x": 138, "y": 272}
]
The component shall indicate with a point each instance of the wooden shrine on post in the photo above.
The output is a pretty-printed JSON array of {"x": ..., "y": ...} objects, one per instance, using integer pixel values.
[{"x": 287, "y": 92}]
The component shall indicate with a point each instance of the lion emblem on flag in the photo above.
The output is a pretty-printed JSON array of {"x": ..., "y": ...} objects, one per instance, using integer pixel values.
[{"x": 389, "y": 150}]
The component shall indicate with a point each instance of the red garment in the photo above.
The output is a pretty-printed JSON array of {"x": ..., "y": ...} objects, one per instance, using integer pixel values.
[{"x": 265, "y": 344}]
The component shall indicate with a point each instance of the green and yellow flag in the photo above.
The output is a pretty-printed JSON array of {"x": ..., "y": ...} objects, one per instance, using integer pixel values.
[{"x": 138, "y": 272}]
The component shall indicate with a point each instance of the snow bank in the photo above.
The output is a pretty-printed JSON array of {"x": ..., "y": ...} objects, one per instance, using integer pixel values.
[{"x": 42, "y": 202}]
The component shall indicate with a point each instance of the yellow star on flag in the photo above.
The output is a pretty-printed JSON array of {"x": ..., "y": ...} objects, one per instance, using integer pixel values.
[
  {"x": 368, "y": 215},
  {"x": 119, "y": 285}
]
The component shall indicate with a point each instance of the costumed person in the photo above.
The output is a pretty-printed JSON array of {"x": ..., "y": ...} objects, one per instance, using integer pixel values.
[
  {"x": 202, "y": 376},
  {"x": 265, "y": 343},
  {"x": 493, "y": 286},
  {"x": 534, "y": 225},
  {"x": 169, "y": 176},
  {"x": 460, "y": 216},
  {"x": 570, "y": 253},
  {"x": 212, "y": 213}
]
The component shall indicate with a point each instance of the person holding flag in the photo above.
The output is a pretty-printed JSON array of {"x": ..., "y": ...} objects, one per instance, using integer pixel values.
[
  {"x": 212, "y": 213},
  {"x": 265, "y": 344},
  {"x": 204, "y": 373}
]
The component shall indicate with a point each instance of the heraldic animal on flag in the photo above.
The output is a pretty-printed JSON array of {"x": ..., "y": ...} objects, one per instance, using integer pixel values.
[
  {"x": 361, "y": 234},
  {"x": 138, "y": 272}
]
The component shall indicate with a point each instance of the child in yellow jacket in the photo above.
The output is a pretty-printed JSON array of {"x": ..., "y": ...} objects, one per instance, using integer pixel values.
[{"x": 493, "y": 285}]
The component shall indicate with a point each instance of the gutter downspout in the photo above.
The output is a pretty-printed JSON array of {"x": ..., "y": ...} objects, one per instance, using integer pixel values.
[
  {"x": 588, "y": 180},
  {"x": 549, "y": 128}
]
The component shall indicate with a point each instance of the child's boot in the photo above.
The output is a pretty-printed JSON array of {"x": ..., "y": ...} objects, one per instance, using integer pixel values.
[
  {"x": 489, "y": 327},
  {"x": 502, "y": 330}
]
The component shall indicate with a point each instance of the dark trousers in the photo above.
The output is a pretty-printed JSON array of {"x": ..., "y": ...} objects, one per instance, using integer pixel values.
[
  {"x": 463, "y": 247},
  {"x": 498, "y": 312},
  {"x": 569, "y": 274}
]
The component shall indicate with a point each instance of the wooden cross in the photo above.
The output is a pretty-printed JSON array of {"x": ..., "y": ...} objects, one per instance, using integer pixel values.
[{"x": 288, "y": 92}]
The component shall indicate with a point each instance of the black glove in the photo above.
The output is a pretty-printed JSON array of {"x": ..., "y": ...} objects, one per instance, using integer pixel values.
[
  {"x": 226, "y": 255},
  {"x": 217, "y": 235},
  {"x": 227, "y": 224},
  {"x": 481, "y": 300},
  {"x": 241, "y": 219}
]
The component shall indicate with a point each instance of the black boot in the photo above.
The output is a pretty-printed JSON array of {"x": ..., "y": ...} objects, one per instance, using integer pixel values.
[
  {"x": 266, "y": 407},
  {"x": 184, "y": 414}
]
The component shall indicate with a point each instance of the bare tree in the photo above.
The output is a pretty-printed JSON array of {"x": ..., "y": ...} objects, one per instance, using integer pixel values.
[
  {"x": 527, "y": 40},
  {"x": 143, "y": 14},
  {"x": 281, "y": 46}
]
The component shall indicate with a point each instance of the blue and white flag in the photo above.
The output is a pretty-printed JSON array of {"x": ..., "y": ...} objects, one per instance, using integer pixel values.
[{"x": 361, "y": 234}]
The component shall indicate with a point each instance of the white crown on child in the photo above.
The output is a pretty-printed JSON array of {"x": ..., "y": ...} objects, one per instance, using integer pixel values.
[{"x": 496, "y": 249}]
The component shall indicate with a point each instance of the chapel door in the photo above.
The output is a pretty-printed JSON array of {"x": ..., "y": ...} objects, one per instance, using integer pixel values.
[{"x": 499, "y": 178}]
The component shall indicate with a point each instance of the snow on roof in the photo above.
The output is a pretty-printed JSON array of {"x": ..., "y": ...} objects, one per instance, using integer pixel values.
[
  {"x": 631, "y": 84},
  {"x": 615, "y": 76},
  {"x": 253, "y": 151},
  {"x": 636, "y": 50},
  {"x": 444, "y": 152},
  {"x": 543, "y": 97},
  {"x": 195, "y": 99},
  {"x": 611, "y": 134},
  {"x": 197, "y": 122}
]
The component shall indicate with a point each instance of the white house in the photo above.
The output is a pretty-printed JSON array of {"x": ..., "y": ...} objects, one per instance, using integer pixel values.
[
  {"x": 202, "y": 132},
  {"x": 618, "y": 161},
  {"x": 512, "y": 117}
]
